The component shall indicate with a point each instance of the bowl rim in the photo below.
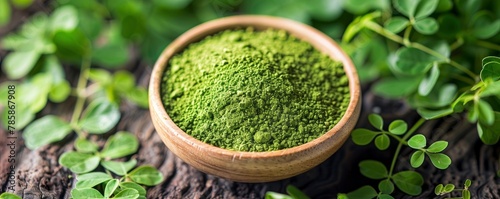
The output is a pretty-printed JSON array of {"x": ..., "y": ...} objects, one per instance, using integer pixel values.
[{"x": 211, "y": 27}]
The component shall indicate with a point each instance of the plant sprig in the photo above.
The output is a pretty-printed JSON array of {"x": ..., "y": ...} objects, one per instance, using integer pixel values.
[{"x": 37, "y": 51}]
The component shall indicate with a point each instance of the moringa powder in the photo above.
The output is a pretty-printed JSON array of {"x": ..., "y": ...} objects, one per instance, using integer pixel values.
[{"x": 249, "y": 90}]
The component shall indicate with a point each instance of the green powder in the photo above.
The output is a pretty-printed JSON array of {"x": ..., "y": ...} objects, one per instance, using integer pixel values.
[{"x": 249, "y": 90}]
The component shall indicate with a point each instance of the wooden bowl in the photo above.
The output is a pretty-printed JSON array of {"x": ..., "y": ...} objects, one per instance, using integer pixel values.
[{"x": 253, "y": 166}]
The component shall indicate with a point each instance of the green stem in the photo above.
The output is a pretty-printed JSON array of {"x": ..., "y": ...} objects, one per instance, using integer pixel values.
[
  {"x": 456, "y": 44},
  {"x": 406, "y": 38},
  {"x": 398, "y": 149},
  {"x": 389, "y": 35},
  {"x": 80, "y": 90},
  {"x": 488, "y": 45},
  {"x": 397, "y": 138}
]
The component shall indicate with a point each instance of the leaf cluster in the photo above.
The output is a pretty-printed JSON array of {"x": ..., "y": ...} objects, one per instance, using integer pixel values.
[
  {"x": 441, "y": 189},
  {"x": 292, "y": 191}
]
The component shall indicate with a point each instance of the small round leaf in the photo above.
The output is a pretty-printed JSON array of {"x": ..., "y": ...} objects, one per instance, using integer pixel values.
[
  {"x": 376, "y": 121},
  {"x": 417, "y": 159},
  {"x": 373, "y": 169},
  {"x": 426, "y": 26},
  {"x": 396, "y": 24},
  {"x": 382, "y": 142},
  {"x": 417, "y": 141},
  {"x": 439, "y": 189},
  {"x": 409, "y": 182},
  {"x": 439, "y": 160},
  {"x": 437, "y": 147},
  {"x": 363, "y": 192},
  {"x": 386, "y": 186},
  {"x": 79, "y": 162},
  {"x": 467, "y": 183},
  {"x": 146, "y": 175},
  {"x": 448, "y": 188},
  {"x": 363, "y": 136},
  {"x": 398, "y": 127}
]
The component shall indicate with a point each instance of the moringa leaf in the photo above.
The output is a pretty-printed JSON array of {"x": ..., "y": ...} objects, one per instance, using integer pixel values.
[
  {"x": 409, "y": 182},
  {"x": 417, "y": 141},
  {"x": 99, "y": 117},
  {"x": 373, "y": 169},
  {"x": 120, "y": 168},
  {"x": 79, "y": 162},
  {"x": 90, "y": 180},
  {"x": 45, "y": 130},
  {"x": 120, "y": 145},
  {"x": 146, "y": 175}
]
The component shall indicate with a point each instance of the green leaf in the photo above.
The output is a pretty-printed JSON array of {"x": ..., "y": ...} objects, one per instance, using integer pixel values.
[
  {"x": 45, "y": 130},
  {"x": 7, "y": 195},
  {"x": 364, "y": 192},
  {"x": 484, "y": 25},
  {"x": 386, "y": 186},
  {"x": 120, "y": 168},
  {"x": 439, "y": 160},
  {"x": 114, "y": 52},
  {"x": 90, "y": 180},
  {"x": 491, "y": 89},
  {"x": 71, "y": 45},
  {"x": 139, "y": 96},
  {"x": 64, "y": 18},
  {"x": 146, "y": 175},
  {"x": 85, "y": 146},
  {"x": 133, "y": 185},
  {"x": 79, "y": 162},
  {"x": 274, "y": 195},
  {"x": 382, "y": 142},
  {"x": 295, "y": 192},
  {"x": 357, "y": 25},
  {"x": 439, "y": 189},
  {"x": 19, "y": 63},
  {"x": 86, "y": 193},
  {"x": 491, "y": 70},
  {"x": 395, "y": 88},
  {"x": 127, "y": 193},
  {"x": 417, "y": 159},
  {"x": 438, "y": 146},
  {"x": 359, "y": 7},
  {"x": 110, "y": 188},
  {"x": 417, "y": 141},
  {"x": 466, "y": 194},
  {"x": 449, "y": 25},
  {"x": 428, "y": 83},
  {"x": 123, "y": 81},
  {"x": 100, "y": 76},
  {"x": 444, "y": 5},
  {"x": 60, "y": 92},
  {"x": 325, "y": 10},
  {"x": 22, "y": 3},
  {"x": 99, "y": 117},
  {"x": 486, "y": 113},
  {"x": 411, "y": 61},
  {"x": 376, "y": 121},
  {"x": 398, "y": 127},
  {"x": 425, "y": 8},
  {"x": 373, "y": 169},
  {"x": 473, "y": 114},
  {"x": 396, "y": 24},
  {"x": 489, "y": 134},
  {"x": 4, "y": 12},
  {"x": 448, "y": 188},
  {"x": 385, "y": 196},
  {"x": 120, "y": 145},
  {"x": 363, "y": 136},
  {"x": 23, "y": 113},
  {"x": 467, "y": 183},
  {"x": 409, "y": 182},
  {"x": 489, "y": 59},
  {"x": 406, "y": 7}
]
